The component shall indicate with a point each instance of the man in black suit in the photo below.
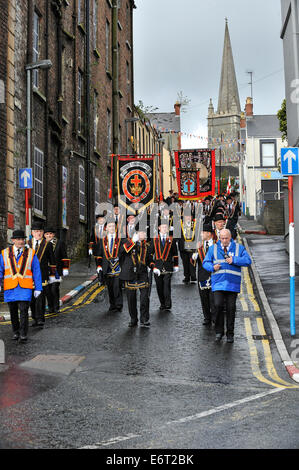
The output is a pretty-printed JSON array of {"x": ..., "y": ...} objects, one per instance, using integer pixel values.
[
  {"x": 62, "y": 269},
  {"x": 164, "y": 253},
  {"x": 188, "y": 226},
  {"x": 108, "y": 265},
  {"x": 98, "y": 233},
  {"x": 45, "y": 254},
  {"x": 135, "y": 259},
  {"x": 203, "y": 276}
]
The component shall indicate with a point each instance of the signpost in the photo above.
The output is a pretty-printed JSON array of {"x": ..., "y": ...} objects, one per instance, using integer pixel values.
[
  {"x": 26, "y": 182},
  {"x": 290, "y": 168}
]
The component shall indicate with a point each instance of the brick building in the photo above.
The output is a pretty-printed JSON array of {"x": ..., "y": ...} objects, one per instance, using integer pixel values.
[{"x": 80, "y": 107}]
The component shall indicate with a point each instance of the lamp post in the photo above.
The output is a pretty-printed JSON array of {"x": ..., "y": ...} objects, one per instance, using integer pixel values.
[
  {"x": 42, "y": 64},
  {"x": 134, "y": 119}
]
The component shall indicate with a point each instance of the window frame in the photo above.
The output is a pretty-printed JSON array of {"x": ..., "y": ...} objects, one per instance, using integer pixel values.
[
  {"x": 82, "y": 194},
  {"x": 268, "y": 141},
  {"x": 38, "y": 167}
]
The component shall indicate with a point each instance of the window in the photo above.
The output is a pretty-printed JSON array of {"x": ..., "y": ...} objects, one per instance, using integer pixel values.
[
  {"x": 107, "y": 45},
  {"x": 35, "y": 56},
  {"x": 81, "y": 193},
  {"x": 268, "y": 153},
  {"x": 38, "y": 180},
  {"x": 80, "y": 100},
  {"x": 96, "y": 193},
  {"x": 95, "y": 23}
]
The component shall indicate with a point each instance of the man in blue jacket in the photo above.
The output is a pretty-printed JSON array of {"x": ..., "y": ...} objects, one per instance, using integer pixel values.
[
  {"x": 224, "y": 260},
  {"x": 20, "y": 269}
]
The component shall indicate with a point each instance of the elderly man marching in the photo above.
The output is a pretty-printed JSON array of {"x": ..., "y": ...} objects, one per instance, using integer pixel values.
[
  {"x": 20, "y": 268},
  {"x": 224, "y": 260}
]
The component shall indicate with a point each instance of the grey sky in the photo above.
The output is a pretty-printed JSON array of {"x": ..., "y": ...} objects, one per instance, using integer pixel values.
[{"x": 179, "y": 44}]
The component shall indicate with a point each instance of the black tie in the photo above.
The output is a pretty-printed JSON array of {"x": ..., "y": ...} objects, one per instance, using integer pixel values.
[
  {"x": 36, "y": 246},
  {"x": 207, "y": 246},
  {"x": 18, "y": 252},
  {"x": 163, "y": 241}
]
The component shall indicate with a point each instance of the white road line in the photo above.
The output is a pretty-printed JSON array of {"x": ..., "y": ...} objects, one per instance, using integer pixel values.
[{"x": 187, "y": 419}]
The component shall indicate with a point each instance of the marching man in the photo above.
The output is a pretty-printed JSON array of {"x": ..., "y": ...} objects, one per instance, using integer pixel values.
[
  {"x": 20, "y": 269},
  {"x": 165, "y": 262}
]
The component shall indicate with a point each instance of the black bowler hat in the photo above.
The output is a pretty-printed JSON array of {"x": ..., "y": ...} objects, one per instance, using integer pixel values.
[
  {"x": 37, "y": 226},
  {"x": 207, "y": 228},
  {"x": 18, "y": 234},
  {"x": 219, "y": 217},
  {"x": 50, "y": 229}
]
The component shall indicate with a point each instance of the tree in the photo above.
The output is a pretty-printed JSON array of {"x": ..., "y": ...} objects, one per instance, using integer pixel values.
[
  {"x": 183, "y": 101},
  {"x": 282, "y": 117},
  {"x": 144, "y": 110}
]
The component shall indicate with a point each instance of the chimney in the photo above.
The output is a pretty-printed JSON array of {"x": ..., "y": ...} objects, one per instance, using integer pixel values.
[
  {"x": 177, "y": 108},
  {"x": 243, "y": 121},
  {"x": 249, "y": 107}
]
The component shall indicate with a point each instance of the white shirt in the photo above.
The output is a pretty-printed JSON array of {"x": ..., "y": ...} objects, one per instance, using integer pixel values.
[{"x": 15, "y": 250}]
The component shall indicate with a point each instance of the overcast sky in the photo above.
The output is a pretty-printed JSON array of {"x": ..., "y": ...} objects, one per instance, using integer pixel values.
[{"x": 178, "y": 47}]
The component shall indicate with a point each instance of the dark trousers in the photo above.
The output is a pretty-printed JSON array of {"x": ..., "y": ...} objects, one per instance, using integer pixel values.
[
  {"x": 207, "y": 303},
  {"x": 144, "y": 304},
  {"x": 19, "y": 325},
  {"x": 114, "y": 292},
  {"x": 227, "y": 300},
  {"x": 53, "y": 296},
  {"x": 163, "y": 284},
  {"x": 189, "y": 269},
  {"x": 38, "y": 306}
]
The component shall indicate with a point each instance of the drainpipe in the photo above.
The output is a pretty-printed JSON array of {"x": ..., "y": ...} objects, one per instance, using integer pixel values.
[
  {"x": 115, "y": 98},
  {"x": 88, "y": 147}
]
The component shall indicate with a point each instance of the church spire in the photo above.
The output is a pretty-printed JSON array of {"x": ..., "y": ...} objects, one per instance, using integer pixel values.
[{"x": 229, "y": 100}]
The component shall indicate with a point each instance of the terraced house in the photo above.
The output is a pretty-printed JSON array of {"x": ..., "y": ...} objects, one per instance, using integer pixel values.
[{"x": 68, "y": 76}]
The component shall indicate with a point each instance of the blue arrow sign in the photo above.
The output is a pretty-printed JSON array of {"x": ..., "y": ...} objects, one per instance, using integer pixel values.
[
  {"x": 25, "y": 178},
  {"x": 290, "y": 161}
]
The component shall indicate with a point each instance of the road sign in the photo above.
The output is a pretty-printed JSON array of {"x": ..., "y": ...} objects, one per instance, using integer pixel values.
[
  {"x": 290, "y": 161},
  {"x": 25, "y": 178}
]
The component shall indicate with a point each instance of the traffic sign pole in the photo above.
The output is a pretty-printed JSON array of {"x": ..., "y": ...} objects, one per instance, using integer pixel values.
[
  {"x": 27, "y": 213},
  {"x": 292, "y": 255}
]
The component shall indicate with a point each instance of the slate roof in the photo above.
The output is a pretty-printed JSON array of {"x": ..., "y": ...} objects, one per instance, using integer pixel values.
[
  {"x": 263, "y": 126},
  {"x": 166, "y": 121}
]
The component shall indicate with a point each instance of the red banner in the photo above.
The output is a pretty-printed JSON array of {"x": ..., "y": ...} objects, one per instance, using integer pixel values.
[{"x": 195, "y": 173}]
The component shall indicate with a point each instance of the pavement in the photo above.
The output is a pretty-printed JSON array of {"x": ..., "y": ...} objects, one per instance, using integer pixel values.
[
  {"x": 270, "y": 275},
  {"x": 81, "y": 276}
]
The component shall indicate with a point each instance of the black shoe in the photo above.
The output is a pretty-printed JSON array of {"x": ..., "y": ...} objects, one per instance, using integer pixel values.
[
  {"x": 145, "y": 324},
  {"x": 230, "y": 339},
  {"x": 34, "y": 324},
  {"x": 113, "y": 310},
  {"x": 218, "y": 337},
  {"x": 23, "y": 339},
  {"x": 193, "y": 281},
  {"x": 41, "y": 324},
  {"x": 119, "y": 309},
  {"x": 132, "y": 324},
  {"x": 186, "y": 281},
  {"x": 162, "y": 307},
  {"x": 16, "y": 336},
  {"x": 206, "y": 321}
]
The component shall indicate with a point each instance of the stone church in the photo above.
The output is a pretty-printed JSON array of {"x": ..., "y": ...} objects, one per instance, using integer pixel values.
[{"x": 224, "y": 124}]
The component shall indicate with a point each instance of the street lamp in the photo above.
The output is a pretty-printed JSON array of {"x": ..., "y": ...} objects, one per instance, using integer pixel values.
[
  {"x": 42, "y": 64},
  {"x": 134, "y": 119}
]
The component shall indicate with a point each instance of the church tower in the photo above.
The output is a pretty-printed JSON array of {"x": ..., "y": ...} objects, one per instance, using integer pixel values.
[{"x": 224, "y": 124}]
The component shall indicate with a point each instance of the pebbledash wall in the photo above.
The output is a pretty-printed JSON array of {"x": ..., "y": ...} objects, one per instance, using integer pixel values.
[
  {"x": 289, "y": 35},
  {"x": 73, "y": 113}
]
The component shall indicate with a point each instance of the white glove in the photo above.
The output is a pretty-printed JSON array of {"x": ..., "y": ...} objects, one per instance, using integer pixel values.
[
  {"x": 36, "y": 293},
  {"x": 90, "y": 252},
  {"x": 135, "y": 237},
  {"x": 157, "y": 271},
  {"x": 65, "y": 272},
  {"x": 99, "y": 269},
  {"x": 175, "y": 269},
  {"x": 195, "y": 256},
  {"x": 0, "y": 288},
  {"x": 52, "y": 279}
]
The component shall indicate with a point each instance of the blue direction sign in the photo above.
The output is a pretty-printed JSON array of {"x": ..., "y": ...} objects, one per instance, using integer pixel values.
[
  {"x": 290, "y": 161},
  {"x": 25, "y": 178}
]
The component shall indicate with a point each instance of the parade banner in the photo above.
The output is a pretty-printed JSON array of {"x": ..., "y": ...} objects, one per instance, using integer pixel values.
[
  {"x": 195, "y": 171},
  {"x": 136, "y": 179}
]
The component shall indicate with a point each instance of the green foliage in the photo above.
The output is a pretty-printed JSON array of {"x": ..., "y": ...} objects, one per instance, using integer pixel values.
[
  {"x": 282, "y": 117},
  {"x": 142, "y": 110}
]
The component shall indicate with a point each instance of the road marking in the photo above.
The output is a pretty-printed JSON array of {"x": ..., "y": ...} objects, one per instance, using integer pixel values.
[
  {"x": 242, "y": 300},
  {"x": 187, "y": 419},
  {"x": 249, "y": 287},
  {"x": 268, "y": 356},
  {"x": 254, "y": 358},
  {"x": 79, "y": 301}
]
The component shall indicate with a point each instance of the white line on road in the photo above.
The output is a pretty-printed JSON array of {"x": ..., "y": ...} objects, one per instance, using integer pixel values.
[{"x": 187, "y": 419}]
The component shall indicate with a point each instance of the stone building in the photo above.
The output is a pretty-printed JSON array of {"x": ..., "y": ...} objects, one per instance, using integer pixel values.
[
  {"x": 224, "y": 123},
  {"x": 80, "y": 107}
]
